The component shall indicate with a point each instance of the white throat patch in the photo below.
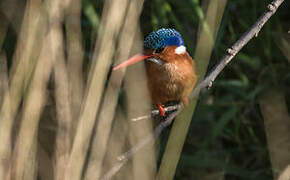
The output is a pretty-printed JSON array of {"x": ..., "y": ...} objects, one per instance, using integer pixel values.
[{"x": 180, "y": 50}]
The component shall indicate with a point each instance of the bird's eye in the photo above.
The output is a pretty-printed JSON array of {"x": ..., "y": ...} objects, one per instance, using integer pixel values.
[{"x": 159, "y": 50}]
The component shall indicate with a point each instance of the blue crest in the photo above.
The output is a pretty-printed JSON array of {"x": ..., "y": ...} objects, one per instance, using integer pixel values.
[{"x": 162, "y": 38}]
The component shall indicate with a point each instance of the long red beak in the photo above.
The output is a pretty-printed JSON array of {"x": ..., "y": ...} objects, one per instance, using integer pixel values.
[{"x": 134, "y": 59}]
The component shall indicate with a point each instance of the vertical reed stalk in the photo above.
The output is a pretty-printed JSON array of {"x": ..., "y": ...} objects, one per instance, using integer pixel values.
[
  {"x": 105, "y": 119},
  {"x": 181, "y": 124},
  {"x": 277, "y": 126},
  {"x": 18, "y": 73},
  {"x": 63, "y": 111},
  {"x": 36, "y": 95},
  {"x": 74, "y": 59},
  {"x": 114, "y": 12}
]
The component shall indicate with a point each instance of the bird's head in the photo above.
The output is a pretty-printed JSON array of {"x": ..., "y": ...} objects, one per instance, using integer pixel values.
[{"x": 157, "y": 43}]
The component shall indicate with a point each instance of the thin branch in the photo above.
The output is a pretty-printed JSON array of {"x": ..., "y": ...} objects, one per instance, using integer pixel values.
[
  {"x": 157, "y": 112},
  {"x": 206, "y": 83},
  {"x": 237, "y": 46},
  {"x": 129, "y": 154}
]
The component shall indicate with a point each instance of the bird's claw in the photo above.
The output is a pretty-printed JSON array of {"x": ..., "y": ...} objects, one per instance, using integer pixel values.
[{"x": 161, "y": 110}]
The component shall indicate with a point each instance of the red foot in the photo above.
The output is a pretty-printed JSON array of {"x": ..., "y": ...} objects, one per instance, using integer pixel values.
[{"x": 161, "y": 109}]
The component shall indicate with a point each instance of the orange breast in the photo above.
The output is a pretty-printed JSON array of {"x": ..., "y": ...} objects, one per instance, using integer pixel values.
[{"x": 172, "y": 80}]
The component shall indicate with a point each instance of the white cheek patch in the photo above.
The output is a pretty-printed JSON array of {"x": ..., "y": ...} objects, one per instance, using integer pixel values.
[{"x": 180, "y": 50}]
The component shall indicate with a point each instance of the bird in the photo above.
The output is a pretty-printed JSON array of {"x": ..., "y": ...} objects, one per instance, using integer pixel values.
[{"x": 170, "y": 69}]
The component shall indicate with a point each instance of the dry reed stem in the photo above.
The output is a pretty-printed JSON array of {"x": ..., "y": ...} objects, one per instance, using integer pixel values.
[
  {"x": 22, "y": 57},
  {"x": 285, "y": 175},
  {"x": 3, "y": 76},
  {"x": 30, "y": 171},
  {"x": 116, "y": 145},
  {"x": 74, "y": 59},
  {"x": 138, "y": 100},
  {"x": 64, "y": 118},
  {"x": 114, "y": 12},
  {"x": 4, "y": 90},
  {"x": 180, "y": 126},
  {"x": 107, "y": 111},
  {"x": 34, "y": 102},
  {"x": 63, "y": 110},
  {"x": 277, "y": 127},
  {"x": 144, "y": 164},
  {"x": 283, "y": 41}
]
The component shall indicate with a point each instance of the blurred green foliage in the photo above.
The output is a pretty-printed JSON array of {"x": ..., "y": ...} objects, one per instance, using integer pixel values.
[{"x": 227, "y": 131}]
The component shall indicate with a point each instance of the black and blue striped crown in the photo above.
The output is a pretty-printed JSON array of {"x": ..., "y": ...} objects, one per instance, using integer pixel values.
[{"x": 162, "y": 38}]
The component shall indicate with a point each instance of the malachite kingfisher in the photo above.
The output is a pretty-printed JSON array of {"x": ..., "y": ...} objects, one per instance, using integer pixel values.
[{"x": 170, "y": 69}]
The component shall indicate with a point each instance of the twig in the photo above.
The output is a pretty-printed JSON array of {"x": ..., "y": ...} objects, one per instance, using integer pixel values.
[
  {"x": 237, "y": 46},
  {"x": 156, "y": 112},
  {"x": 207, "y": 82}
]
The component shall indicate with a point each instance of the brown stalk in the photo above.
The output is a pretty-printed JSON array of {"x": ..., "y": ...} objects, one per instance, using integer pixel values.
[
  {"x": 285, "y": 175},
  {"x": 178, "y": 133},
  {"x": 4, "y": 90},
  {"x": 138, "y": 102},
  {"x": 277, "y": 127},
  {"x": 31, "y": 28},
  {"x": 64, "y": 117},
  {"x": 116, "y": 145},
  {"x": 107, "y": 112},
  {"x": 35, "y": 100},
  {"x": 114, "y": 12},
  {"x": 74, "y": 59},
  {"x": 3, "y": 76},
  {"x": 63, "y": 109}
]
